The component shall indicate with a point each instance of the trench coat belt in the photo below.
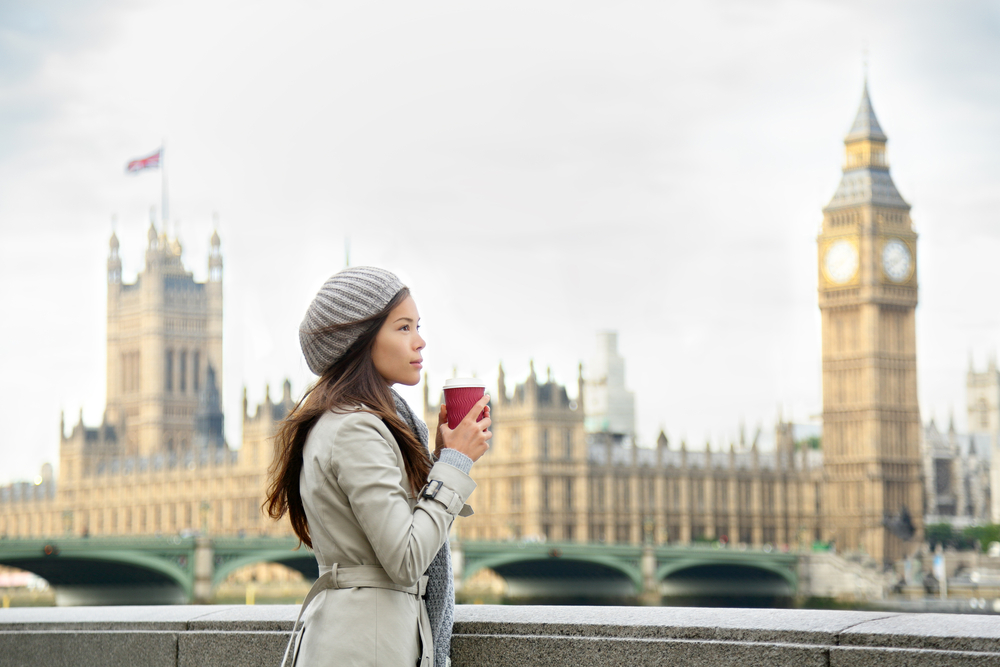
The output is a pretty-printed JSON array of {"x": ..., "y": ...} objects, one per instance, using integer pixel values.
[{"x": 364, "y": 576}]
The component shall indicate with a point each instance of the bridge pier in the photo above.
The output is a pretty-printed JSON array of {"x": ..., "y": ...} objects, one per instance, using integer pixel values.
[
  {"x": 204, "y": 565},
  {"x": 650, "y": 595}
]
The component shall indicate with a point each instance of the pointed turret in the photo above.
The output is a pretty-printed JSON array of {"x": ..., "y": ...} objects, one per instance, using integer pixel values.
[
  {"x": 501, "y": 385},
  {"x": 114, "y": 261},
  {"x": 661, "y": 440},
  {"x": 215, "y": 259},
  {"x": 531, "y": 386},
  {"x": 865, "y": 123}
]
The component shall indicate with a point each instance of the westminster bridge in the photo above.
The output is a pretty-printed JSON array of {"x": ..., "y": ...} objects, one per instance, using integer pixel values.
[{"x": 179, "y": 570}]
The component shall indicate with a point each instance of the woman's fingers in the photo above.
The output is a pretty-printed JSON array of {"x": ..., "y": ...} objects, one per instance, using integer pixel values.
[{"x": 480, "y": 405}]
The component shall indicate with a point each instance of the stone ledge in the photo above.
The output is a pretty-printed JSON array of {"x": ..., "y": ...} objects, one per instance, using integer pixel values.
[
  {"x": 506, "y": 650},
  {"x": 487, "y": 636}
]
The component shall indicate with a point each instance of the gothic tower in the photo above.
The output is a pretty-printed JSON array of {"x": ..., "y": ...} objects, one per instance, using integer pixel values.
[
  {"x": 867, "y": 298},
  {"x": 164, "y": 351}
]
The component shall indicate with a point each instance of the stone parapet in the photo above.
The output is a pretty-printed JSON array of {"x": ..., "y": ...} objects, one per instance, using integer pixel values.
[{"x": 487, "y": 636}]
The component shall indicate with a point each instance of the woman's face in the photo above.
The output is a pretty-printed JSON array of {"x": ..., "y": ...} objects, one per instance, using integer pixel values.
[{"x": 396, "y": 352}]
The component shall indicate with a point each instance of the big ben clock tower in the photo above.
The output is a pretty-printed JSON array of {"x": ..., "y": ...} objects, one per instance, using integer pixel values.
[{"x": 867, "y": 297}]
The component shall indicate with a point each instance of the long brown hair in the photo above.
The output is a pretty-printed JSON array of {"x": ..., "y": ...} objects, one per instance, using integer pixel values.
[{"x": 352, "y": 380}]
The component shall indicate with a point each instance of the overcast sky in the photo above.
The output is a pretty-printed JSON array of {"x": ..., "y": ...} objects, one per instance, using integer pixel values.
[{"x": 535, "y": 171}]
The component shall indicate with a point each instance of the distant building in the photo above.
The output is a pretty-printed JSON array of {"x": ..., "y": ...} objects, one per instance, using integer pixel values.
[
  {"x": 956, "y": 476},
  {"x": 158, "y": 462},
  {"x": 609, "y": 407},
  {"x": 164, "y": 353},
  {"x": 962, "y": 470},
  {"x": 983, "y": 403},
  {"x": 545, "y": 478}
]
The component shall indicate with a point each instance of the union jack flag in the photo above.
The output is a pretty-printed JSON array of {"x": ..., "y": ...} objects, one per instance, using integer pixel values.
[{"x": 148, "y": 162}]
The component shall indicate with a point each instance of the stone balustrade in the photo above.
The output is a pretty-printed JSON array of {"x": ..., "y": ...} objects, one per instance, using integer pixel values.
[{"x": 491, "y": 636}]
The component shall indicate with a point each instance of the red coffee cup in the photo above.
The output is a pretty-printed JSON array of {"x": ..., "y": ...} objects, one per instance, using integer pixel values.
[{"x": 461, "y": 395}]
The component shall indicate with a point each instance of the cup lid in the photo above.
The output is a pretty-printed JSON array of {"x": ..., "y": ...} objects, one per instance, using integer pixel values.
[{"x": 455, "y": 383}]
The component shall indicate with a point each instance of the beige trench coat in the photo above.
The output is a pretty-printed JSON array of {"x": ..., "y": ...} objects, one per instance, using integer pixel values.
[{"x": 360, "y": 511}]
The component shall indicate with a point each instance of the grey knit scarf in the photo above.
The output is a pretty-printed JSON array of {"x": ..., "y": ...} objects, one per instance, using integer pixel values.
[{"x": 440, "y": 598}]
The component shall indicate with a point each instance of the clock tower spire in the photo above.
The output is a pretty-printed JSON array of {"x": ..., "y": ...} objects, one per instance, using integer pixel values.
[{"x": 867, "y": 299}]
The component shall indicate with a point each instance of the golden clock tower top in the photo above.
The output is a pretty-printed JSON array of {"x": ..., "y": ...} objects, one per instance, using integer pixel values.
[{"x": 866, "y": 177}]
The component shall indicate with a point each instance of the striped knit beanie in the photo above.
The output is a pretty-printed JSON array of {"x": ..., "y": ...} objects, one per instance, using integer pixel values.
[{"x": 348, "y": 296}]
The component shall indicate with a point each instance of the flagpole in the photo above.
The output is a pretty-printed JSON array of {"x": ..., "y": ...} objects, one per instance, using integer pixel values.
[{"x": 164, "y": 210}]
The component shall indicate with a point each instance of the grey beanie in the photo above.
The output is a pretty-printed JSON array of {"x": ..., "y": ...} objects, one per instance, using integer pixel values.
[{"x": 348, "y": 296}]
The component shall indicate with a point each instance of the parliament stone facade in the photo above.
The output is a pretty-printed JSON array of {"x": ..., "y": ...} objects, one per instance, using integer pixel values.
[
  {"x": 547, "y": 478},
  {"x": 158, "y": 463}
]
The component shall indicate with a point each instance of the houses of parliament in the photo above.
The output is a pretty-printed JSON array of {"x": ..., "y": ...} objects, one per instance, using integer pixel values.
[{"x": 560, "y": 468}]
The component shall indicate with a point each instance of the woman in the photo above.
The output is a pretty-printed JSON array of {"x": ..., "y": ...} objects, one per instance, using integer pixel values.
[{"x": 355, "y": 475}]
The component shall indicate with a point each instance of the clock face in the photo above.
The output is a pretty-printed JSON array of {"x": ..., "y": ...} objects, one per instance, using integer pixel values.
[
  {"x": 896, "y": 260},
  {"x": 841, "y": 261}
]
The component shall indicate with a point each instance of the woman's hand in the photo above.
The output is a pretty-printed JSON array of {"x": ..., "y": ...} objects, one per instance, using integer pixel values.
[{"x": 469, "y": 437}]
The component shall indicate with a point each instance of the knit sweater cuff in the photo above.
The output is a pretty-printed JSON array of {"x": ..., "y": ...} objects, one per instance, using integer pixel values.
[{"x": 456, "y": 459}]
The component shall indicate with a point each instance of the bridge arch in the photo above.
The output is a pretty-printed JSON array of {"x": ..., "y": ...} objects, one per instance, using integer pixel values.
[
  {"x": 132, "y": 567},
  {"x": 634, "y": 575},
  {"x": 307, "y": 566},
  {"x": 675, "y": 566},
  {"x": 766, "y": 578}
]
